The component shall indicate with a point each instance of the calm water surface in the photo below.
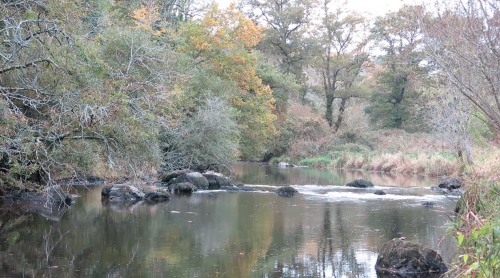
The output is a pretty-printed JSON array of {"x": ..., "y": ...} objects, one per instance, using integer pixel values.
[{"x": 326, "y": 231}]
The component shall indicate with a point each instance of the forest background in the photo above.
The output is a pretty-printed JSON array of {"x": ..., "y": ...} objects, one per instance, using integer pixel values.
[{"x": 133, "y": 88}]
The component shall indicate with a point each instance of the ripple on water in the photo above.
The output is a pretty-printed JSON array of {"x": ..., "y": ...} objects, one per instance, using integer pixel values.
[{"x": 350, "y": 194}]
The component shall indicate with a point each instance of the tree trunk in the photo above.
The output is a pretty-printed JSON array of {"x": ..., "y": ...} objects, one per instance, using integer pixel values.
[
  {"x": 329, "y": 109},
  {"x": 340, "y": 117}
]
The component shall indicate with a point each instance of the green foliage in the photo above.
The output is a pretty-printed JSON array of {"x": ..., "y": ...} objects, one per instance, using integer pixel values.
[
  {"x": 478, "y": 237},
  {"x": 322, "y": 161},
  {"x": 393, "y": 104},
  {"x": 283, "y": 85}
]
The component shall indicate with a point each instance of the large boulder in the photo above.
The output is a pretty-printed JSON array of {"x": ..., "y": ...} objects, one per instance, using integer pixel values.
[
  {"x": 122, "y": 193},
  {"x": 194, "y": 178},
  {"x": 360, "y": 183},
  {"x": 157, "y": 195},
  {"x": 183, "y": 187},
  {"x": 166, "y": 177},
  {"x": 216, "y": 180},
  {"x": 287, "y": 191},
  {"x": 451, "y": 183},
  {"x": 403, "y": 257}
]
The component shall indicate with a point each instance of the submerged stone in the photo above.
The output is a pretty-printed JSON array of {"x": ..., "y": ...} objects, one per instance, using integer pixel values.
[{"x": 380, "y": 192}]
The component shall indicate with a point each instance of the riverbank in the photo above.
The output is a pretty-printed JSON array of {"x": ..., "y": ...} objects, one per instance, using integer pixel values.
[{"x": 477, "y": 229}]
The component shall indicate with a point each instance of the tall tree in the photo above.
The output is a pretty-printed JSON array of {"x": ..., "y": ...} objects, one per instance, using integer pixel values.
[
  {"x": 399, "y": 35},
  {"x": 340, "y": 57},
  {"x": 222, "y": 41}
]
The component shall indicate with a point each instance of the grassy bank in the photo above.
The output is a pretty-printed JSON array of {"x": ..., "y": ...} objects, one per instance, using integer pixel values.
[
  {"x": 477, "y": 230},
  {"x": 436, "y": 164},
  {"x": 477, "y": 225},
  {"x": 392, "y": 151}
]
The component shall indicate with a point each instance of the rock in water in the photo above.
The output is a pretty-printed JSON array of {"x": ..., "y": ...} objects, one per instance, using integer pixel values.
[
  {"x": 132, "y": 193},
  {"x": 194, "y": 178},
  {"x": 405, "y": 257},
  {"x": 183, "y": 187},
  {"x": 360, "y": 183},
  {"x": 157, "y": 195},
  {"x": 379, "y": 192},
  {"x": 174, "y": 174},
  {"x": 451, "y": 183},
  {"x": 216, "y": 180},
  {"x": 287, "y": 191},
  {"x": 428, "y": 204}
]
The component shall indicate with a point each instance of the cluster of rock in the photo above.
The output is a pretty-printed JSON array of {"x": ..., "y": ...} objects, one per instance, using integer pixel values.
[
  {"x": 185, "y": 181},
  {"x": 132, "y": 193}
]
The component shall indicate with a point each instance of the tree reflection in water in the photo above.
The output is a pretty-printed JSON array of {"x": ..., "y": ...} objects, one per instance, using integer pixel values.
[{"x": 217, "y": 234}]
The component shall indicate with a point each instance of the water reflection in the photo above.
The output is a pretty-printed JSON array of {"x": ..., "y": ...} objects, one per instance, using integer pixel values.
[
  {"x": 219, "y": 234},
  {"x": 272, "y": 175}
]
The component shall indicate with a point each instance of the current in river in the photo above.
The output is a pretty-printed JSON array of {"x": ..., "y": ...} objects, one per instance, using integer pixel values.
[{"x": 327, "y": 230}]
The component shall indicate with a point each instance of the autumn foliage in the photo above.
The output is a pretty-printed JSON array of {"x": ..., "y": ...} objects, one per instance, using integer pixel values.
[{"x": 222, "y": 41}]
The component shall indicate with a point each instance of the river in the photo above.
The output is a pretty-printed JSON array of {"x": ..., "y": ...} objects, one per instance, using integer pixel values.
[{"x": 327, "y": 230}]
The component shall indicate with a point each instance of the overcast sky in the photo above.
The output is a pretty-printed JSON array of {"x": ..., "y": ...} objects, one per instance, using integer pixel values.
[{"x": 371, "y": 7}]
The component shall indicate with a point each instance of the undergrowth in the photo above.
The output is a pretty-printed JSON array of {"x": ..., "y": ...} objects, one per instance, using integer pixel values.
[{"x": 477, "y": 230}]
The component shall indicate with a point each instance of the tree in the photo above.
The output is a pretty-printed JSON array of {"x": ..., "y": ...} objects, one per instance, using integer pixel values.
[
  {"x": 451, "y": 116},
  {"x": 400, "y": 36},
  {"x": 286, "y": 22},
  {"x": 462, "y": 40},
  {"x": 339, "y": 58},
  {"x": 222, "y": 42},
  {"x": 71, "y": 103}
]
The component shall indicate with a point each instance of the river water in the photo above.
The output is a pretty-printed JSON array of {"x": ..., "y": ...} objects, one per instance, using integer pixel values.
[{"x": 326, "y": 231}]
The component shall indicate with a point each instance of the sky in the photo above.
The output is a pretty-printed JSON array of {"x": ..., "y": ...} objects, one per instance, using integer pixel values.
[{"x": 369, "y": 7}]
